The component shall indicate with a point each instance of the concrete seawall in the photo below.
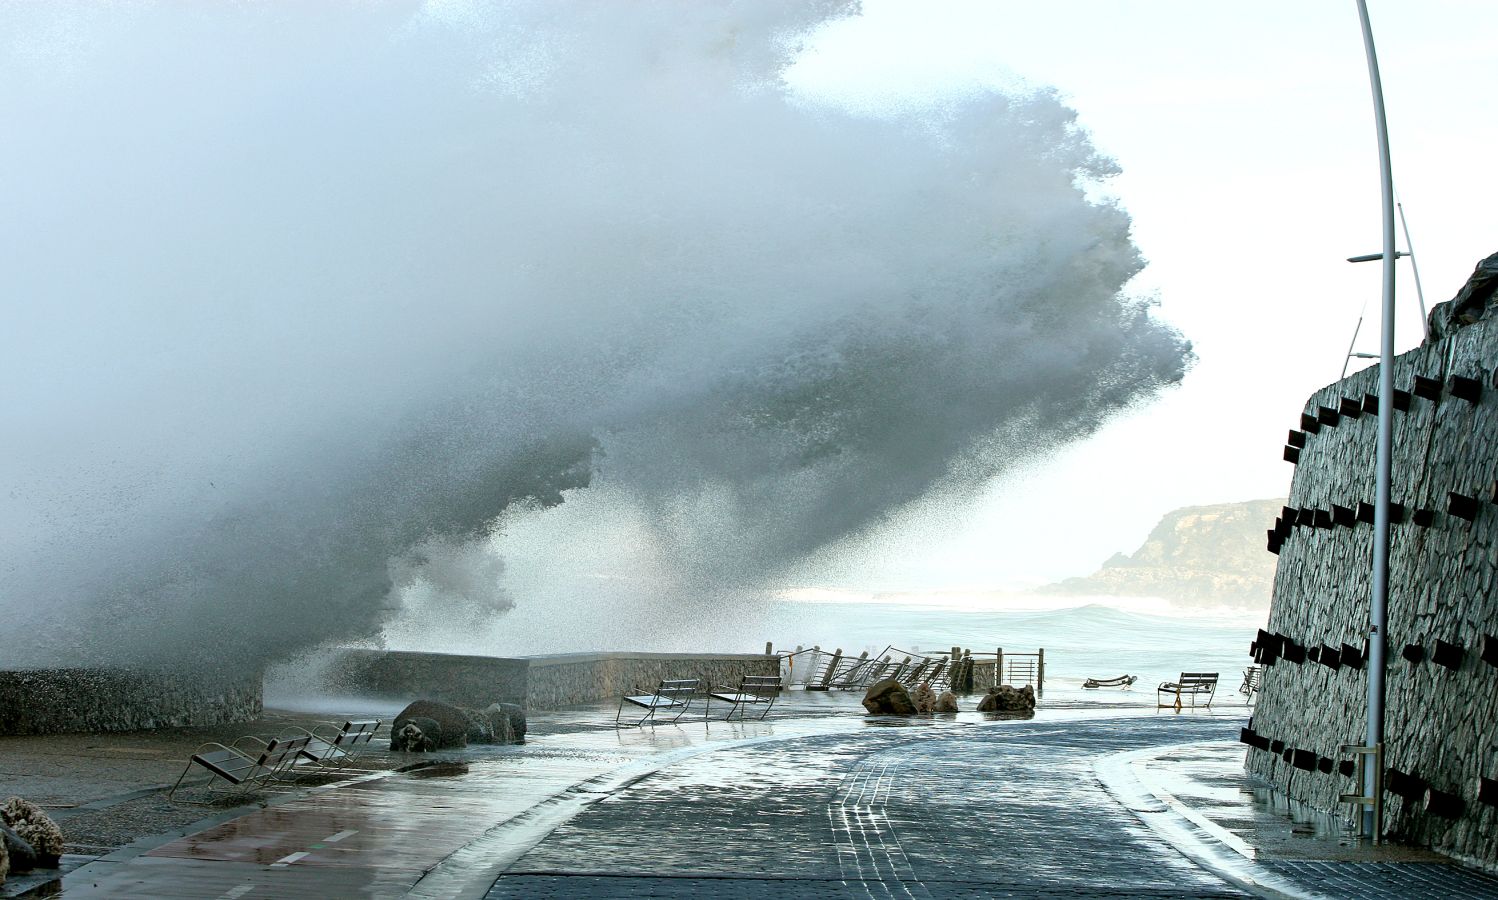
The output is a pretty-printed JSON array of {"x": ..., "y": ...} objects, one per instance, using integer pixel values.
[
  {"x": 535, "y": 682},
  {"x": 59, "y": 701}
]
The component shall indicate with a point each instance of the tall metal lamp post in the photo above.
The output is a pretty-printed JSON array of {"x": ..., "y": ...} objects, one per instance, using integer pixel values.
[{"x": 1383, "y": 457}]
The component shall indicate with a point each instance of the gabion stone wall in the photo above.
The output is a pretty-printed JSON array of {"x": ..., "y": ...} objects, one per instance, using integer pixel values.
[
  {"x": 56, "y": 701},
  {"x": 1441, "y": 718}
]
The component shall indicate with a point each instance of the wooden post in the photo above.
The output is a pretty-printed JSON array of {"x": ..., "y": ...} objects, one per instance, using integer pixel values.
[
  {"x": 1040, "y": 671},
  {"x": 998, "y": 669},
  {"x": 837, "y": 657}
]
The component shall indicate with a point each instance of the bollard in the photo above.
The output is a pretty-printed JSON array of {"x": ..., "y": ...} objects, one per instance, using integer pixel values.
[{"x": 769, "y": 648}]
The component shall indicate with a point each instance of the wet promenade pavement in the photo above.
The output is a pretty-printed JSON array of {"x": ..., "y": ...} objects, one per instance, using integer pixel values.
[{"x": 817, "y": 802}]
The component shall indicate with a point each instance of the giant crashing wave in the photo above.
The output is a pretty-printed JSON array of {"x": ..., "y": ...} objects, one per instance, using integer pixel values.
[{"x": 310, "y": 301}]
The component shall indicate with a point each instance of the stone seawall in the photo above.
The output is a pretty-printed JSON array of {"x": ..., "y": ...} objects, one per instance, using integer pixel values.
[
  {"x": 60, "y": 701},
  {"x": 535, "y": 682},
  {"x": 1441, "y": 754}
]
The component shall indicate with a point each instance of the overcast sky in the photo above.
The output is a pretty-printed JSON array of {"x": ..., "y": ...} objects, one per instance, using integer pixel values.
[{"x": 1245, "y": 134}]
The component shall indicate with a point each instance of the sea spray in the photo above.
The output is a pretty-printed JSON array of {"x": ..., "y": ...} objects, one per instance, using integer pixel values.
[{"x": 306, "y": 305}]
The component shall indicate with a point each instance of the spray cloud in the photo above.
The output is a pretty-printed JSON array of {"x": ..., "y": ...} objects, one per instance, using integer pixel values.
[{"x": 302, "y": 302}]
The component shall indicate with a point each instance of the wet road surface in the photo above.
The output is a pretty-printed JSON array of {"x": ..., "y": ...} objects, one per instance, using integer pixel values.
[{"x": 819, "y": 802}]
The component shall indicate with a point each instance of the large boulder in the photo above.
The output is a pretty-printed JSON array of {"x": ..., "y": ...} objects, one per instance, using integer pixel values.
[
  {"x": 433, "y": 725},
  {"x": 1004, "y": 698},
  {"x": 888, "y": 698},
  {"x": 947, "y": 702}
]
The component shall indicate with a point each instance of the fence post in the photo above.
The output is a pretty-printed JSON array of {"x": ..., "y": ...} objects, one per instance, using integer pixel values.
[
  {"x": 1040, "y": 671},
  {"x": 837, "y": 657},
  {"x": 769, "y": 648},
  {"x": 998, "y": 668}
]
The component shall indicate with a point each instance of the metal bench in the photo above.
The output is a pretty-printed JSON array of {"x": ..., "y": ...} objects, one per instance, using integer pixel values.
[
  {"x": 669, "y": 697},
  {"x": 1191, "y": 684},
  {"x": 244, "y": 767},
  {"x": 331, "y": 747},
  {"x": 753, "y": 690}
]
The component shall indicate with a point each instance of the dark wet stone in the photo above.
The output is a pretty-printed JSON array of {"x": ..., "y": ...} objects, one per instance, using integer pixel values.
[
  {"x": 888, "y": 698},
  {"x": 22, "y": 857},
  {"x": 947, "y": 702},
  {"x": 1004, "y": 698}
]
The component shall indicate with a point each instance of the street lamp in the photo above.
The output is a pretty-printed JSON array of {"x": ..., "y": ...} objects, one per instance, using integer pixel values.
[{"x": 1378, "y": 614}]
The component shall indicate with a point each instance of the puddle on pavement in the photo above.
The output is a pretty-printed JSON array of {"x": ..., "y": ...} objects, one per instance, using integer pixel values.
[{"x": 439, "y": 770}]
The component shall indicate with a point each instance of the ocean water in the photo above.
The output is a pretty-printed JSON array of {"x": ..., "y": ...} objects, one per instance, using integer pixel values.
[{"x": 1097, "y": 639}]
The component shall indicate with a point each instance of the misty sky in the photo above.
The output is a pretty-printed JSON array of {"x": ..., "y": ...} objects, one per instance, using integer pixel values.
[
  {"x": 1245, "y": 135},
  {"x": 339, "y": 303}
]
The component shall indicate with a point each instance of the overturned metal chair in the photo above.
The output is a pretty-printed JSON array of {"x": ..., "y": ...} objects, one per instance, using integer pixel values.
[
  {"x": 670, "y": 697},
  {"x": 753, "y": 691},
  {"x": 333, "y": 747},
  {"x": 1253, "y": 677},
  {"x": 1120, "y": 681},
  {"x": 244, "y": 768}
]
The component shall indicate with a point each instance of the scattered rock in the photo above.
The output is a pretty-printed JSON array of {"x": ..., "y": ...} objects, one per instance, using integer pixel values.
[
  {"x": 1008, "y": 699},
  {"x": 35, "y": 828},
  {"x": 947, "y": 702},
  {"x": 924, "y": 699},
  {"x": 507, "y": 721},
  {"x": 888, "y": 698},
  {"x": 417, "y": 735},
  {"x": 22, "y": 857}
]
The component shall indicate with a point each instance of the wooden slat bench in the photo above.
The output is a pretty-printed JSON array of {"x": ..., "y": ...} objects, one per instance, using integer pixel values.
[
  {"x": 669, "y": 697},
  {"x": 753, "y": 690},
  {"x": 1191, "y": 684}
]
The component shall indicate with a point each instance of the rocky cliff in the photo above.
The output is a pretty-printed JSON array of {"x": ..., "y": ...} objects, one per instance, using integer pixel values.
[{"x": 1197, "y": 555}]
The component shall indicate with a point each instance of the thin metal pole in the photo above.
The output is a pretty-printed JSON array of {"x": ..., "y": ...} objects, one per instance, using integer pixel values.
[
  {"x": 1415, "y": 268},
  {"x": 1384, "y": 455}
]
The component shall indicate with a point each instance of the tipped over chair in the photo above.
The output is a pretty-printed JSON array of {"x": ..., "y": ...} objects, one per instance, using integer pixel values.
[
  {"x": 244, "y": 765},
  {"x": 1120, "y": 681}
]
